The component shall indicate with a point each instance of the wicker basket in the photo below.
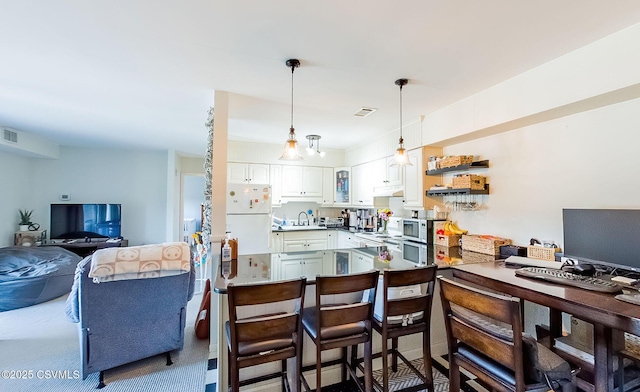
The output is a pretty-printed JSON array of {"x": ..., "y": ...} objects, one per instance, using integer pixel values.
[
  {"x": 485, "y": 244},
  {"x": 455, "y": 161},
  {"x": 474, "y": 257},
  {"x": 542, "y": 253},
  {"x": 470, "y": 181},
  {"x": 447, "y": 240}
]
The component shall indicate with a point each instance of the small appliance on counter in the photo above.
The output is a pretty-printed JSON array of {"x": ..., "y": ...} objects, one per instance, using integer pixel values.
[{"x": 331, "y": 222}]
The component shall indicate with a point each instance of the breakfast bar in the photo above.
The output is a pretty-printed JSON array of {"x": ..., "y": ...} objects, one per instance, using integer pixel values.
[{"x": 270, "y": 267}]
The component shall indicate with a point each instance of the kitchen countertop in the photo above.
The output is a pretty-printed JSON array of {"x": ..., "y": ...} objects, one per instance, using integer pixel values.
[{"x": 256, "y": 268}]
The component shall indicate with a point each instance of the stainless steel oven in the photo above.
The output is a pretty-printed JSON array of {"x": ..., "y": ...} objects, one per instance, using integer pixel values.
[
  {"x": 415, "y": 229},
  {"x": 414, "y": 252}
]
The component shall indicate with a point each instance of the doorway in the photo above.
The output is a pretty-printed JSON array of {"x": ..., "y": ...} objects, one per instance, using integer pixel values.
[{"x": 192, "y": 219}]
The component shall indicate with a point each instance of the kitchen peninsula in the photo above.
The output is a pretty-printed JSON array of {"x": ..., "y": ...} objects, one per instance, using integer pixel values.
[{"x": 250, "y": 269}]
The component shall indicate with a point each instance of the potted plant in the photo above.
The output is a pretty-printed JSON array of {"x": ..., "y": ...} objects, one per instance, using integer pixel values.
[{"x": 25, "y": 219}]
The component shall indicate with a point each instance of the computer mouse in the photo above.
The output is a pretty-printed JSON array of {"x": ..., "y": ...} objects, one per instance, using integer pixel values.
[{"x": 584, "y": 269}]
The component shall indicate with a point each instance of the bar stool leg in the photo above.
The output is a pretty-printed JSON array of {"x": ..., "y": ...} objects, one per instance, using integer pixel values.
[
  {"x": 368, "y": 371},
  {"x": 318, "y": 370},
  {"x": 394, "y": 348},
  {"x": 343, "y": 365},
  {"x": 427, "y": 360},
  {"x": 283, "y": 371},
  {"x": 385, "y": 365}
]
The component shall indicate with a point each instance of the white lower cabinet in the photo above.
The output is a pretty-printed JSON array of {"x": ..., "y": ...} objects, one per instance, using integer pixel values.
[
  {"x": 347, "y": 240},
  {"x": 332, "y": 239},
  {"x": 306, "y": 240},
  {"x": 361, "y": 262},
  {"x": 277, "y": 242},
  {"x": 292, "y": 266}
]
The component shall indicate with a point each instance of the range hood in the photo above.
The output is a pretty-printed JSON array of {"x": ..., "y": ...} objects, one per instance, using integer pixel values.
[{"x": 391, "y": 191}]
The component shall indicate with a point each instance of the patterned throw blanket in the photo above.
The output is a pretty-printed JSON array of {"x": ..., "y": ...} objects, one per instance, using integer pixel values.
[{"x": 139, "y": 262}]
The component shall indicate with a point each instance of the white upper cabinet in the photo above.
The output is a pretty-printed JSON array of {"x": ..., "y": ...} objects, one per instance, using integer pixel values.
[
  {"x": 362, "y": 181},
  {"x": 301, "y": 183},
  {"x": 394, "y": 173},
  {"x": 413, "y": 177},
  {"x": 247, "y": 173},
  {"x": 275, "y": 179},
  {"x": 327, "y": 186},
  {"x": 386, "y": 177}
]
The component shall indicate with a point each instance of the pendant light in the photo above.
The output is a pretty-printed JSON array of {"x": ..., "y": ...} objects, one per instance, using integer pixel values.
[
  {"x": 310, "y": 150},
  {"x": 401, "y": 158},
  {"x": 291, "y": 152}
]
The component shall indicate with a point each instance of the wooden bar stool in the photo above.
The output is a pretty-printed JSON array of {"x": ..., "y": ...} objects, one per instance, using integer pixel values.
[
  {"x": 268, "y": 335},
  {"x": 485, "y": 337},
  {"x": 342, "y": 325},
  {"x": 403, "y": 307}
]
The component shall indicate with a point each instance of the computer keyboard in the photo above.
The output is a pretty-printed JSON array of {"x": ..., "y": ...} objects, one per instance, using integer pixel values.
[{"x": 569, "y": 279}]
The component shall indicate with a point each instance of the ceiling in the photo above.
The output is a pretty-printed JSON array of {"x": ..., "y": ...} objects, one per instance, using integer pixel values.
[{"x": 142, "y": 73}]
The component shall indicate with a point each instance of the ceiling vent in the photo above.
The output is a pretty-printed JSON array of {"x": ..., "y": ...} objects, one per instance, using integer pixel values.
[
  {"x": 10, "y": 136},
  {"x": 364, "y": 112}
]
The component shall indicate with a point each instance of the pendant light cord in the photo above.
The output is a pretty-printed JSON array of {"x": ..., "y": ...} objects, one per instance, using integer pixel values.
[
  {"x": 292, "y": 69},
  {"x": 401, "y": 113}
]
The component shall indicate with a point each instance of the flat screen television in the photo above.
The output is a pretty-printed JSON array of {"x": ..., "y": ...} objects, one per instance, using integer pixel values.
[
  {"x": 603, "y": 236},
  {"x": 79, "y": 221}
]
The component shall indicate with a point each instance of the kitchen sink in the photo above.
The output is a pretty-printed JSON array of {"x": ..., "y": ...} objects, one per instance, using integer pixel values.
[{"x": 296, "y": 228}]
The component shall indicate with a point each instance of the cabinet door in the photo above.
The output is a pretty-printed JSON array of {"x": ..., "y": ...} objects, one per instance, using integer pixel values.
[
  {"x": 237, "y": 173},
  {"x": 291, "y": 268},
  {"x": 258, "y": 173},
  {"x": 327, "y": 186},
  {"x": 413, "y": 188},
  {"x": 312, "y": 266},
  {"x": 332, "y": 239},
  {"x": 316, "y": 244},
  {"x": 347, "y": 240},
  {"x": 275, "y": 179},
  {"x": 342, "y": 263},
  {"x": 291, "y": 181},
  {"x": 312, "y": 181},
  {"x": 294, "y": 245},
  {"x": 362, "y": 184},
  {"x": 393, "y": 173},
  {"x": 342, "y": 186},
  {"x": 378, "y": 173},
  {"x": 277, "y": 243},
  {"x": 361, "y": 262}
]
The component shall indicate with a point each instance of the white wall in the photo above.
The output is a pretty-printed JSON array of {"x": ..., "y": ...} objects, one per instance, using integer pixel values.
[
  {"x": 135, "y": 179},
  {"x": 15, "y": 179},
  {"x": 588, "y": 160}
]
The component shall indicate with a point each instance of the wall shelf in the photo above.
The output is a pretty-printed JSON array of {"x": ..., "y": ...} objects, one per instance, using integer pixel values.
[
  {"x": 459, "y": 191},
  {"x": 473, "y": 165}
]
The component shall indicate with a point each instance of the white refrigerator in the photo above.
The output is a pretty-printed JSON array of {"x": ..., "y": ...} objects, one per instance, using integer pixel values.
[{"x": 249, "y": 217}]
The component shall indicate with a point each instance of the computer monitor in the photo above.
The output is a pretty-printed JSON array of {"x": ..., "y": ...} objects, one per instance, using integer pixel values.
[{"x": 603, "y": 236}]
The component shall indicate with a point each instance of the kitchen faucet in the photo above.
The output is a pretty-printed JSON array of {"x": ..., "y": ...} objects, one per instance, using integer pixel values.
[{"x": 302, "y": 212}]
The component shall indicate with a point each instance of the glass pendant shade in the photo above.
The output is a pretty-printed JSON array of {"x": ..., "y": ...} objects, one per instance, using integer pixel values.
[
  {"x": 291, "y": 152},
  {"x": 401, "y": 158}
]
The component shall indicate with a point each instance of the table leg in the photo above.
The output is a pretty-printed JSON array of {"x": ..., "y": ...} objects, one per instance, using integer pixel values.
[{"x": 603, "y": 359}]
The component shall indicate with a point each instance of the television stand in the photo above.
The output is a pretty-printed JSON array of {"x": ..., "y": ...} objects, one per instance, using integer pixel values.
[{"x": 84, "y": 249}]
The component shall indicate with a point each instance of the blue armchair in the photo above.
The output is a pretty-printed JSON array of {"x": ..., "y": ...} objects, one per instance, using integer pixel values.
[{"x": 127, "y": 320}]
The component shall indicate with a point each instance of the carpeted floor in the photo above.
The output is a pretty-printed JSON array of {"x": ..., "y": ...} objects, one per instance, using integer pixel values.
[{"x": 39, "y": 337}]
